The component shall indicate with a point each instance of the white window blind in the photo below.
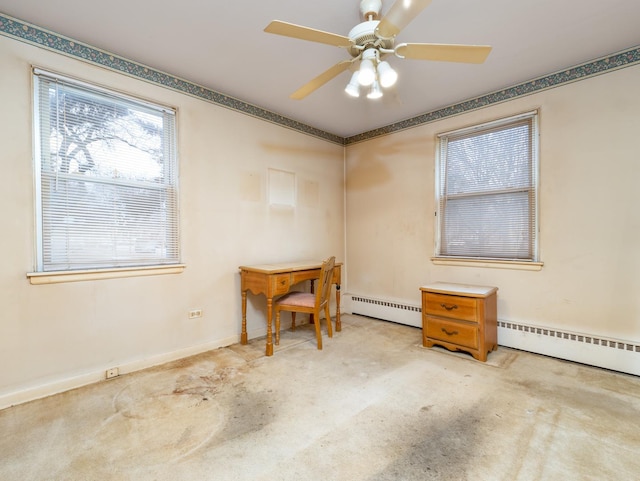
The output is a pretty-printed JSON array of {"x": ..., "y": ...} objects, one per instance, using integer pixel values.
[
  {"x": 106, "y": 178},
  {"x": 487, "y": 191}
]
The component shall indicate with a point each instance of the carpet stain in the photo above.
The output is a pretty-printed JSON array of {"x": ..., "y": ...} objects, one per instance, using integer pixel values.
[
  {"x": 246, "y": 413},
  {"x": 160, "y": 416},
  {"x": 371, "y": 406},
  {"x": 436, "y": 447}
]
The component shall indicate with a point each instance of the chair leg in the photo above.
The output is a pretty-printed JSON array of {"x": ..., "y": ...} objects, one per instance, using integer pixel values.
[
  {"x": 327, "y": 314},
  {"x": 318, "y": 332},
  {"x": 277, "y": 327},
  {"x": 293, "y": 320}
]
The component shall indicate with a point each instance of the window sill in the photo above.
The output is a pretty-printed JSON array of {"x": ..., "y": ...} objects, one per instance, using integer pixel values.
[
  {"x": 488, "y": 263},
  {"x": 39, "y": 278}
]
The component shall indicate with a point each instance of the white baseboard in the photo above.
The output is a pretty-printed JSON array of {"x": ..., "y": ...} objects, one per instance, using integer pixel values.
[
  {"x": 608, "y": 353},
  {"x": 66, "y": 384},
  {"x": 73, "y": 382}
]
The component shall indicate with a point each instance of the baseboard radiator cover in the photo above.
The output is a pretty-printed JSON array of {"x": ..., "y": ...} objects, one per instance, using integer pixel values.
[
  {"x": 600, "y": 351},
  {"x": 392, "y": 310},
  {"x": 606, "y": 352}
]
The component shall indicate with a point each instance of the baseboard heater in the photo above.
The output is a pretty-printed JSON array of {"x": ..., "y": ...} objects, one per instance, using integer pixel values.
[
  {"x": 609, "y": 353},
  {"x": 605, "y": 352},
  {"x": 387, "y": 310}
]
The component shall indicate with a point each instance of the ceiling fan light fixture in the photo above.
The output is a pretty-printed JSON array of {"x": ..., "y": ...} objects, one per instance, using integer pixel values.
[
  {"x": 367, "y": 72},
  {"x": 375, "y": 92},
  {"x": 370, "y": 41},
  {"x": 353, "y": 87},
  {"x": 388, "y": 76}
]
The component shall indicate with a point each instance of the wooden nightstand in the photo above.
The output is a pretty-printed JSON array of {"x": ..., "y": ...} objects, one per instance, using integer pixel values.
[{"x": 460, "y": 317}]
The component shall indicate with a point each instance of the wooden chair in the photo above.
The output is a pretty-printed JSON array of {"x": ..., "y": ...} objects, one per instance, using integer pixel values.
[{"x": 310, "y": 303}]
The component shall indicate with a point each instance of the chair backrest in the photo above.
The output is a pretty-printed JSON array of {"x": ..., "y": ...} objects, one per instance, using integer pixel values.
[{"x": 324, "y": 287}]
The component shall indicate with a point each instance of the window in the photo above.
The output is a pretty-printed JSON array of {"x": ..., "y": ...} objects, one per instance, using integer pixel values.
[
  {"x": 487, "y": 191},
  {"x": 106, "y": 178}
]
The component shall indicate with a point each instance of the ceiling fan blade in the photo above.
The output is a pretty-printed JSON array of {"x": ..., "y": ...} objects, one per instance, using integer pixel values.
[
  {"x": 399, "y": 16},
  {"x": 444, "y": 52},
  {"x": 321, "y": 79},
  {"x": 305, "y": 33}
]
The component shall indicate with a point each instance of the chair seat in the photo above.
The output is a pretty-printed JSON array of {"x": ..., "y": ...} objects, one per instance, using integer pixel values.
[{"x": 299, "y": 299}]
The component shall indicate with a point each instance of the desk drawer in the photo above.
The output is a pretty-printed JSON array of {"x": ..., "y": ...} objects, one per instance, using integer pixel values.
[
  {"x": 453, "y": 307},
  {"x": 280, "y": 284},
  {"x": 461, "y": 333}
]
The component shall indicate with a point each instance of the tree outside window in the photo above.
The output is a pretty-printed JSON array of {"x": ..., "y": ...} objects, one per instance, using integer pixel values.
[
  {"x": 106, "y": 178},
  {"x": 487, "y": 191}
]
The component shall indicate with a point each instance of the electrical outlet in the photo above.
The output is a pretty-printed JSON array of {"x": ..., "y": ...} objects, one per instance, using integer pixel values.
[
  {"x": 113, "y": 372},
  {"x": 193, "y": 313}
]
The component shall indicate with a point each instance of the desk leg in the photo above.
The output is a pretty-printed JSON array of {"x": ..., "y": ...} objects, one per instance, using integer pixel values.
[
  {"x": 338, "y": 323},
  {"x": 269, "y": 351},
  {"x": 243, "y": 336}
]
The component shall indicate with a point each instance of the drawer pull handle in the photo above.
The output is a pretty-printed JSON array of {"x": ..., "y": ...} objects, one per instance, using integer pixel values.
[
  {"x": 449, "y": 308},
  {"x": 449, "y": 333},
  {"x": 282, "y": 283}
]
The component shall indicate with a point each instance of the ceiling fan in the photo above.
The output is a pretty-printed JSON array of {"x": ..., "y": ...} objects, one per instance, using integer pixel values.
[{"x": 370, "y": 42}]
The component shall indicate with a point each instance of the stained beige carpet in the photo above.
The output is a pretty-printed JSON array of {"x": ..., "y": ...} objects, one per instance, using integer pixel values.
[{"x": 372, "y": 405}]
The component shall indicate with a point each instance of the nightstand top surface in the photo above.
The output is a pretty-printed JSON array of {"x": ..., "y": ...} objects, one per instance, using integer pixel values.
[{"x": 459, "y": 289}]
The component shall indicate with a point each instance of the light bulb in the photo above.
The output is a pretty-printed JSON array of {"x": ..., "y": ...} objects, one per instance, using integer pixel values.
[
  {"x": 352, "y": 87},
  {"x": 375, "y": 92},
  {"x": 367, "y": 72},
  {"x": 387, "y": 75}
]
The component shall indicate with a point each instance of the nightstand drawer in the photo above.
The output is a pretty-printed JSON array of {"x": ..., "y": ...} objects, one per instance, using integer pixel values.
[
  {"x": 459, "y": 333},
  {"x": 453, "y": 307}
]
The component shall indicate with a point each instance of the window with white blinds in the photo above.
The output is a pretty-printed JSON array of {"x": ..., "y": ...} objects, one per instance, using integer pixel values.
[
  {"x": 487, "y": 191},
  {"x": 106, "y": 178}
]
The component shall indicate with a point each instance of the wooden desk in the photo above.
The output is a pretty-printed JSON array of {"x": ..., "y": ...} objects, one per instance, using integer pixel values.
[{"x": 277, "y": 279}]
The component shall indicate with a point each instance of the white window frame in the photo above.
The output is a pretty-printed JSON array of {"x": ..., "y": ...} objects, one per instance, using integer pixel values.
[
  {"x": 440, "y": 258},
  {"x": 160, "y": 219}
]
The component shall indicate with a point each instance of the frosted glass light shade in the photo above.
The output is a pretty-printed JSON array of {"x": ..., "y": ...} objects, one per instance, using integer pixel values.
[
  {"x": 387, "y": 75},
  {"x": 367, "y": 72},
  {"x": 375, "y": 92},
  {"x": 353, "y": 87}
]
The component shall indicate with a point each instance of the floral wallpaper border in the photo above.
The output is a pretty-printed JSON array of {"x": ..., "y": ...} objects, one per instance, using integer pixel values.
[
  {"x": 14, "y": 28},
  {"x": 32, "y": 34},
  {"x": 623, "y": 59}
]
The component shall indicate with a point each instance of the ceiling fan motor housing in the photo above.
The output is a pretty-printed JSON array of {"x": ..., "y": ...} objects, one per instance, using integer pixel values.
[{"x": 363, "y": 35}]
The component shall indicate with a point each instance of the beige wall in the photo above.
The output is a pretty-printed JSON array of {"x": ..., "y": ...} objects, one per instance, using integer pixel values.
[
  {"x": 589, "y": 215},
  {"x": 58, "y": 336},
  {"x": 54, "y": 337}
]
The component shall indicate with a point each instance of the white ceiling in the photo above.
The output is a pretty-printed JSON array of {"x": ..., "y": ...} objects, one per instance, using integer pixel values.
[{"x": 222, "y": 46}]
